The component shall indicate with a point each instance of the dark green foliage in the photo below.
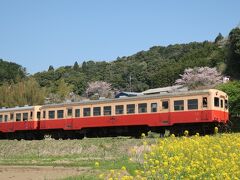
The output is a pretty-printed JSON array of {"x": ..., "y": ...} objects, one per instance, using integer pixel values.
[
  {"x": 218, "y": 38},
  {"x": 11, "y": 72},
  {"x": 50, "y": 68},
  {"x": 76, "y": 66},
  {"x": 233, "y": 91},
  {"x": 233, "y": 64}
]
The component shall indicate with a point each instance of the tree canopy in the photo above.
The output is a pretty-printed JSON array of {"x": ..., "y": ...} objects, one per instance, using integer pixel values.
[
  {"x": 233, "y": 68},
  {"x": 233, "y": 91},
  {"x": 11, "y": 72}
]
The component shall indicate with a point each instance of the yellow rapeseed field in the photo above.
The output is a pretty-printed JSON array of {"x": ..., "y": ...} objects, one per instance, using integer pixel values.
[{"x": 195, "y": 157}]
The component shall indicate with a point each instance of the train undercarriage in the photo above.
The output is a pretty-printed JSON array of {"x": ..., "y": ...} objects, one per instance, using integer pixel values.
[{"x": 132, "y": 131}]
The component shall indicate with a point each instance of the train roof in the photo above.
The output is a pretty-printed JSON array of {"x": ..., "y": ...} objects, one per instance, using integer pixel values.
[
  {"x": 123, "y": 99},
  {"x": 4, "y": 109}
]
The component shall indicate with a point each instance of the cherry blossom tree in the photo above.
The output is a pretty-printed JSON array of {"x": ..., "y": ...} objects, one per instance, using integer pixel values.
[
  {"x": 101, "y": 88},
  {"x": 200, "y": 77}
]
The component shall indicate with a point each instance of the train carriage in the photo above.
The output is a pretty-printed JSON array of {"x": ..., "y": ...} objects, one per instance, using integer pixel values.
[
  {"x": 138, "y": 114},
  {"x": 19, "y": 119},
  {"x": 195, "y": 110}
]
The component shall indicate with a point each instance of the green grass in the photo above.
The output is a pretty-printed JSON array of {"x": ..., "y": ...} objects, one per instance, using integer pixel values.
[{"x": 111, "y": 153}]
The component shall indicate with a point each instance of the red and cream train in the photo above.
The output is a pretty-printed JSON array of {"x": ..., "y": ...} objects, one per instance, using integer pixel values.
[{"x": 197, "y": 111}]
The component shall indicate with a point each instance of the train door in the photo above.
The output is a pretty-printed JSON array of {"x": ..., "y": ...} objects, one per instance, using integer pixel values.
[
  {"x": 37, "y": 123},
  {"x": 69, "y": 120},
  {"x": 225, "y": 109},
  {"x": 25, "y": 120},
  {"x": 11, "y": 123},
  {"x": 165, "y": 112},
  {"x": 205, "y": 105}
]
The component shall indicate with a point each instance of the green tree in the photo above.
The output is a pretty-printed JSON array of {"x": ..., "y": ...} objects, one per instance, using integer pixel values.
[
  {"x": 233, "y": 91},
  {"x": 218, "y": 38},
  {"x": 59, "y": 92},
  {"x": 50, "y": 68},
  {"x": 76, "y": 66},
  {"x": 233, "y": 64},
  {"x": 11, "y": 72}
]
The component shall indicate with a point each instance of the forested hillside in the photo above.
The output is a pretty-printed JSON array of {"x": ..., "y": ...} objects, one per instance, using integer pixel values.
[{"x": 157, "y": 67}]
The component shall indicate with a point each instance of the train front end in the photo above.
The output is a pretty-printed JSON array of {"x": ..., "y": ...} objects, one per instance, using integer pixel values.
[{"x": 219, "y": 107}]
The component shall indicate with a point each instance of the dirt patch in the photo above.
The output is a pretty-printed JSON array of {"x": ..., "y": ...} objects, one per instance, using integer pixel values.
[{"x": 39, "y": 172}]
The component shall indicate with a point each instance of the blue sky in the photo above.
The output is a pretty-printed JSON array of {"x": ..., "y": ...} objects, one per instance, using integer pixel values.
[{"x": 39, "y": 33}]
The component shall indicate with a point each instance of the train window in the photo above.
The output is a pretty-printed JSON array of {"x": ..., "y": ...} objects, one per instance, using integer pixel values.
[
  {"x": 165, "y": 105},
  {"x": 119, "y": 109},
  {"x": 153, "y": 107},
  {"x": 6, "y": 118},
  {"x": 60, "y": 114},
  {"x": 142, "y": 108},
  {"x": 51, "y": 114},
  {"x": 192, "y": 104},
  {"x": 18, "y": 116},
  {"x": 97, "y": 111},
  {"x": 31, "y": 115},
  {"x": 221, "y": 103},
  {"x": 1, "y": 118},
  {"x": 179, "y": 105},
  {"x": 38, "y": 115},
  {"x": 11, "y": 116},
  {"x": 77, "y": 112},
  {"x": 69, "y": 112},
  {"x": 86, "y": 111},
  {"x": 107, "y": 110},
  {"x": 226, "y": 104},
  {"x": 130, "y": 108},
  {"x": 25, "y": 116},
  {"x": 216, "y": 101},
  {"x": 44, "y": 114},
  {"x": 204, "y": 102}
]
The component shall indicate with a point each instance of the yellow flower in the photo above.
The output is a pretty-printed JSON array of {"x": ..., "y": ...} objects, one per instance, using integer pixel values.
[
  {"x": 186, "y": 133},
  {"x": 165, "y": 164},
  {"x": 137, "y": 172},
  {"x": 156, "y": 162},
  {"x": 123, "y": 168},
  {"x": 216, "y": 130},
  {"x": 143, "y": 135},
  {"x": 101, "y": 176},
  {"x": 97, "y": 164},
  {"x": 215, "y": 157},
  {"x": 165, "y": 176},
  {"x": 112, "y": 171},
  {"x": 145, "y": 143},
  {"x": 152, "y": 153}
]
